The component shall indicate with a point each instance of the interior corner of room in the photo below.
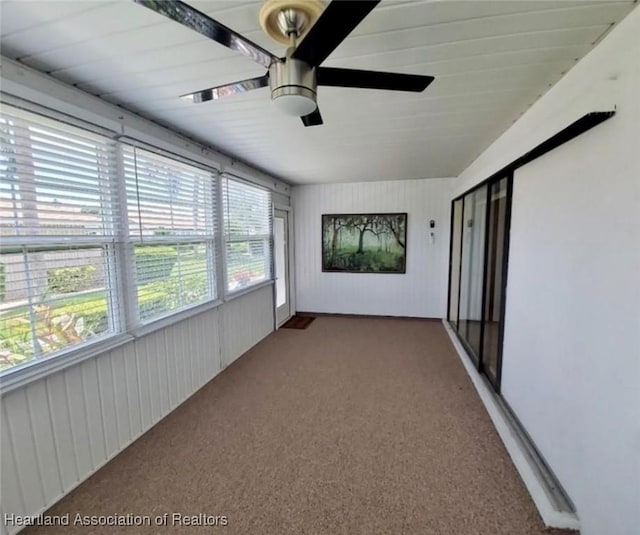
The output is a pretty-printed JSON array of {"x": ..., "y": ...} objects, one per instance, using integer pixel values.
[{"x": 394, "y": 302}]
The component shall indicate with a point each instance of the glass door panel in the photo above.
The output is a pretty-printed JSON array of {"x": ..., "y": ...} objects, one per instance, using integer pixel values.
[
  {"x": 472, "y": 264},
  {"x": 281, "y": 261},
  {"x": 454, "y": 274},
  {"x": 494, "y": 279}
]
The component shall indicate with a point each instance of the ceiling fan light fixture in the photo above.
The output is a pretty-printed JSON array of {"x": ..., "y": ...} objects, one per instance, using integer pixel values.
[
  {"x": 293, "y": 86},
  {"x": 295, "y": 103}
]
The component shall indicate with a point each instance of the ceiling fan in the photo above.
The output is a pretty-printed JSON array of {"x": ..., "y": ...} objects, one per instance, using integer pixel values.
[{"x": 293, "y": 80}]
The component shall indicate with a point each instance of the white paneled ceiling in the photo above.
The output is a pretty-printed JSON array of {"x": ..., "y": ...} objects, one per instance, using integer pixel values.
[{"x": 491, "y": 59}]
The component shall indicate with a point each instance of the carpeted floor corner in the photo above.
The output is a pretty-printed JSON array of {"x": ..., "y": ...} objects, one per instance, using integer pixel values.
[{"x": 351, "y": 426}]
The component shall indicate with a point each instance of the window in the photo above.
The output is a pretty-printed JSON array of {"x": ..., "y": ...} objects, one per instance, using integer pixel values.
[
  {"x": 57, "y": 232},
  {"x": 99, "y": 237},
  {"x": 247, "y": 232},
  {"x": 171, "y": 229}
]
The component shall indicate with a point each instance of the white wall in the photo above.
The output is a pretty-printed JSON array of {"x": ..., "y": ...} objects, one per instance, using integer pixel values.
[
  {"x": 571, "y": 368},
  {"x": 57, "y": 431},
  {"x": 421, "y": 292}
]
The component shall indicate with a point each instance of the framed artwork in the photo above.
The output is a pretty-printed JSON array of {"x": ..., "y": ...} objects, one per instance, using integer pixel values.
[{"x": 364, "y": 243}]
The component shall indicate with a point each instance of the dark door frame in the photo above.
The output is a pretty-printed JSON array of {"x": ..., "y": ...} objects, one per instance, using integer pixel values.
[{"x": 478, "y": 359}]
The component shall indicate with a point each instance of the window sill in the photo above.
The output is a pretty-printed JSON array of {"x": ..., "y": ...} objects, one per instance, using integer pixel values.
[
  {"x": 239, "y": 293},
  {"x": 41, "y": 368},
  {"x": 170, "y": 319}
]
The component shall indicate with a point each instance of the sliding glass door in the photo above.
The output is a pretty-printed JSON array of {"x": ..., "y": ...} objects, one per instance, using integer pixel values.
[{"x": 477, "y": 272}]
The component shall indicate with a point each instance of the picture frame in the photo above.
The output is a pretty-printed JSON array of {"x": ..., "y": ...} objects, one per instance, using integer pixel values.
[{"x": 364, "y": 243}]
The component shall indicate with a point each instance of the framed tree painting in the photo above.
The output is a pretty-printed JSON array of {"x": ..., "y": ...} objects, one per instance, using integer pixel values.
[{"x": 364, "y": 243}]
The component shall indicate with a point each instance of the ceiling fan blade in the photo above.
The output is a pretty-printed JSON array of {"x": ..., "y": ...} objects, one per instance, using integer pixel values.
[
  {"x": 372, "y": 79},
  {"x": 313, "y": 119},
  {"x": 337, "y": 21},
  {"x": 214, "y": 93},
  {"x": 201, "y": 23}
]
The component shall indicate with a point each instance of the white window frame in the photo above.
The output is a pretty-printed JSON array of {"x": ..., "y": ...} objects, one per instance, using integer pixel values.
[
  {"x": 232, "y": 294},
  {"x": 130, "y": 240},
  {"x": 50, "y": 243}
]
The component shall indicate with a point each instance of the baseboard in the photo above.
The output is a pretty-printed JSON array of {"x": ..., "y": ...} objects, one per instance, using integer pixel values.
[
  {"x": 554, "y": 508},
  {"x": 365, "y": 316}
]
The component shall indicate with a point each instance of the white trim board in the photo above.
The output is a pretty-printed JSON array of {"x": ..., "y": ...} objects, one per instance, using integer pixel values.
[{"x": 512, "y": 441}]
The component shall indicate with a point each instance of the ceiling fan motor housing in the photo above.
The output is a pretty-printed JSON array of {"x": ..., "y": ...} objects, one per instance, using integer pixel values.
[{"x": 293, "y": 81}]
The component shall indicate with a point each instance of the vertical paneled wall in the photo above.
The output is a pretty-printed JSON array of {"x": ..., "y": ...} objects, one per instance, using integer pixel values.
[
  {"x": 246, "y": 320},
  {"x": 57, "y": 431},
  {"x": 420, "y": 292}
]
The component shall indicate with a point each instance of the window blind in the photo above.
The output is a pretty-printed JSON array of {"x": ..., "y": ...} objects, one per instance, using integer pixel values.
[
  {"x": 247, "y": 233},
  {"x": 57, "y": 236},
  {"x": 171, "y": 228}
]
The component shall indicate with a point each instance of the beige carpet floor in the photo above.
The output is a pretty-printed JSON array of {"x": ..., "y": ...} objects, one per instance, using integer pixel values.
[{"x": 352, "y": 426}]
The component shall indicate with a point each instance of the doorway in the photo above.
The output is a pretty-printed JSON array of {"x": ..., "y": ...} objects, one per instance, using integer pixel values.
[{"x": 281, "y": 261}]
